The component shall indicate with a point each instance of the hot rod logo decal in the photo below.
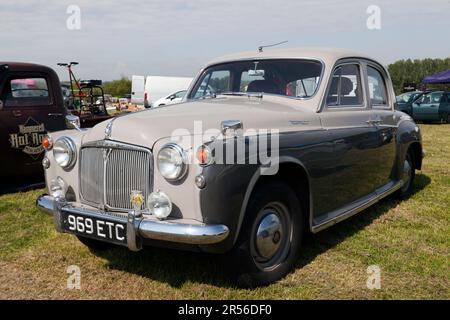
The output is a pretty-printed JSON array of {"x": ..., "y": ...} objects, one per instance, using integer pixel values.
[{"x": 29, "y": 138}]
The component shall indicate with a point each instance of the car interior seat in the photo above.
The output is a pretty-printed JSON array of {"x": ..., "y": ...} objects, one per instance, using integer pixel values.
[{"x": 265, "y": 86}]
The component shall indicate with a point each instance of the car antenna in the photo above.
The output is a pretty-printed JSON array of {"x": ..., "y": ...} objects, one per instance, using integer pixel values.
[{"x": 260, "y": 49}]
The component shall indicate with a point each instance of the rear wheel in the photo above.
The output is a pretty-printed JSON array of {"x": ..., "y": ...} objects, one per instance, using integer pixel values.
[
  {"x": 270, "y": 238},
  {"x": 95, "y": 245},
  {"x": 408, "y": 175}
]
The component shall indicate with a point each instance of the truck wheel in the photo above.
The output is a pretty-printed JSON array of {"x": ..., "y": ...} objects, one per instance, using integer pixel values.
[
  {"x": 95, "y": 245},
  {"x": 270, "y": 237},
  {"x": 407, "y": 176}
]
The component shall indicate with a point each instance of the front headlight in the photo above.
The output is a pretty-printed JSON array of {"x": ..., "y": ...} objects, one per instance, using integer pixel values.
[
  {"x": 65, "y": 152},
  {"x": 172, "y": 162}
]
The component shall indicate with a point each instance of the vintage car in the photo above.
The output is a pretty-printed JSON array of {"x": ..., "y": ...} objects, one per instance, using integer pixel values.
[
  {"x": 266, "y": 147},
  {"x": 405, "y": 101},
  {"x": 31, "y": 104}
]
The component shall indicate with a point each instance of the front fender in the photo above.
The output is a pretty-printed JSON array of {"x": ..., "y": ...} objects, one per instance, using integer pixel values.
[{"x": 408, "y": 133}]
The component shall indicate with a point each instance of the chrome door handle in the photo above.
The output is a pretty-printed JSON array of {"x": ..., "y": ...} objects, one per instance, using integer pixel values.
[{"x": 55, "y": 115}]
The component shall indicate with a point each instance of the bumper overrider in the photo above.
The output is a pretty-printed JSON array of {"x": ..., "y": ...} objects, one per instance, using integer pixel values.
[{"x": 137, "y": 226}]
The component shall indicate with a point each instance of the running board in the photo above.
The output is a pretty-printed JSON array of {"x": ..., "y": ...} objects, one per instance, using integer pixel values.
[{"x": 359, "y": 205}]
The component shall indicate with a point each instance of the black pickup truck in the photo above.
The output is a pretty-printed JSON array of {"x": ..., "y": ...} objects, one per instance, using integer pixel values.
[{"x": 31, "y": 103}]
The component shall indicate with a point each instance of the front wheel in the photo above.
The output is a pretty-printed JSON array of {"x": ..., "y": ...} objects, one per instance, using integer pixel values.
[
  {"x": 270, "y": 237},
  {"x": 408, "y": 175}
]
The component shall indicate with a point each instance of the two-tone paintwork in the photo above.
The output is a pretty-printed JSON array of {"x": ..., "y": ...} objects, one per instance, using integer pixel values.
[{"x": 345, "y": 158}]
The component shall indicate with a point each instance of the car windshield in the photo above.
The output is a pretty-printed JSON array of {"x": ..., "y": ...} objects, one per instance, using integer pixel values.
[{"x": 287, "y": 77}]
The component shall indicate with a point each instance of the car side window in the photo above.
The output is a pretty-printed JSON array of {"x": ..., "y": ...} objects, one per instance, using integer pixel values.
[
  {"x": 432, "y": 97},
  {"x": 23, "y": 92},
  {"x": 345, "y": 88},
  {"x": 377, "y": 87}
]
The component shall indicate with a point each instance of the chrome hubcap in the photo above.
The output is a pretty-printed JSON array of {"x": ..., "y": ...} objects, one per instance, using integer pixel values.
[{"x": 269, "y": 235}]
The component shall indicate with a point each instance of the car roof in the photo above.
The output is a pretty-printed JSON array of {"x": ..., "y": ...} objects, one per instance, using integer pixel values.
[
  {"x": 327, "y": 55},
  {"x": 25, "y": 66}
]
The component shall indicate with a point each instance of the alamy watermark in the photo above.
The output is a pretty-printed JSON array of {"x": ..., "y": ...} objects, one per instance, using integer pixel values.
[
  {"x": 373, "y": 277},
  {"x": 373, "y": 21},
  {"x": 74, "y": 278},
  {"x": 73, "y": 21},
  {"x": 249, "y": 146}
]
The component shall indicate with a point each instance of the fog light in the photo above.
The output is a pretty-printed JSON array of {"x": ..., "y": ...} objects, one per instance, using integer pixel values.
[
  {"x": 46, "y": 163},
  {"x": 58, "y": 188},
  {"x": 200, "y": 181},
  {"x": 159, "y": 204}
]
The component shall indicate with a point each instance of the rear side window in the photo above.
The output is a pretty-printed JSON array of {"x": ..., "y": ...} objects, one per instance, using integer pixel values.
[
  {"x": 345, "y": 88},
  {"x": 377, "y": 87},
  {"x": 19, "y": 92}
]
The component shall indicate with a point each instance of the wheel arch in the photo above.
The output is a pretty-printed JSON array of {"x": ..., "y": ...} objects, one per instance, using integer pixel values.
[{"x": 294, "y": 173}]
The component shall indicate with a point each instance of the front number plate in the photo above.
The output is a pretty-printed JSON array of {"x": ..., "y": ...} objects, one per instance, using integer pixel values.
[{"x": 97, "y": 228}]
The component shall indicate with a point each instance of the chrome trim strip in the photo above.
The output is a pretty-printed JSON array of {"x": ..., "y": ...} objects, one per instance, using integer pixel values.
[
  {"x": 357, "y": 206},
  {"x": 185, "y": 233},
  {"x": 168, "y": 230}
]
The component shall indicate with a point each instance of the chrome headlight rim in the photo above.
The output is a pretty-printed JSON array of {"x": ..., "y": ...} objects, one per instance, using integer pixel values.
[
  {"x": 183, "y": 156},
  {"x": 71, "y": 147}
]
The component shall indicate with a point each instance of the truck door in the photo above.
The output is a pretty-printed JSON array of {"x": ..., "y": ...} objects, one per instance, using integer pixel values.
[{"x": 28, "y": 110}]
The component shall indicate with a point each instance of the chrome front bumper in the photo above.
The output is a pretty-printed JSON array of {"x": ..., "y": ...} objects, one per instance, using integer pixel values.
[{"x": 141, "y": 227}]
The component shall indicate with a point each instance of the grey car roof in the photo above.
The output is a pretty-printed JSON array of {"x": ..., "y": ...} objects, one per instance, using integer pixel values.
[{"x": 327, "y": 55}]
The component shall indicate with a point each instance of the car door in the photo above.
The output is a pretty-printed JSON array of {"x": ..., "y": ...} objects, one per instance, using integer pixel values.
[
  {"x": 384, "y": 121},
  {"x": 28, "y": 111},
  {"x": 347, "y": 117},
  {"x": 427, "y": 107}
]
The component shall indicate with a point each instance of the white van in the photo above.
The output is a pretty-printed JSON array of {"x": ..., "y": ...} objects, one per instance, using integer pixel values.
[{"x": 156, "y": 87}]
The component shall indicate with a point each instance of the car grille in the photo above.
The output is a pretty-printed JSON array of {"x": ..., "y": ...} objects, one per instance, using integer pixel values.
[{"x": 109, "y": 171}]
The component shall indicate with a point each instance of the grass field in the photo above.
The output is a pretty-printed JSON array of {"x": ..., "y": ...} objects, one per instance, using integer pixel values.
[{"x": 409, "y": 240}]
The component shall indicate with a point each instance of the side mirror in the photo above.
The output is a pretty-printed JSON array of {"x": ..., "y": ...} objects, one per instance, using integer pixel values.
[
  {"x": 72, "y": 122},
  {"x": 172, "y": 97}
]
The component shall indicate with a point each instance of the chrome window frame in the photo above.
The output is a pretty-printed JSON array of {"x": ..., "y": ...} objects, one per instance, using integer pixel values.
[
  {"x": 203, "y": 70},
  {"x": 364, "y": 106},
  {"x": 383, "y": 74}
]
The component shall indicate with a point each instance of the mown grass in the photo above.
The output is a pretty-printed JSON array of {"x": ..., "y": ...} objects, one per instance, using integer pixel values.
[{"x": 409, "y": 240}]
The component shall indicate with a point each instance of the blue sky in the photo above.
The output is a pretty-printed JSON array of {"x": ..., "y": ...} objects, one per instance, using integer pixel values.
[{"x": 176, "y": 37}]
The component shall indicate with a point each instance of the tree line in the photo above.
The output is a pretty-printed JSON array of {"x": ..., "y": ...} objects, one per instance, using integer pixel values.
[{"x": 409, "y": 71}]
